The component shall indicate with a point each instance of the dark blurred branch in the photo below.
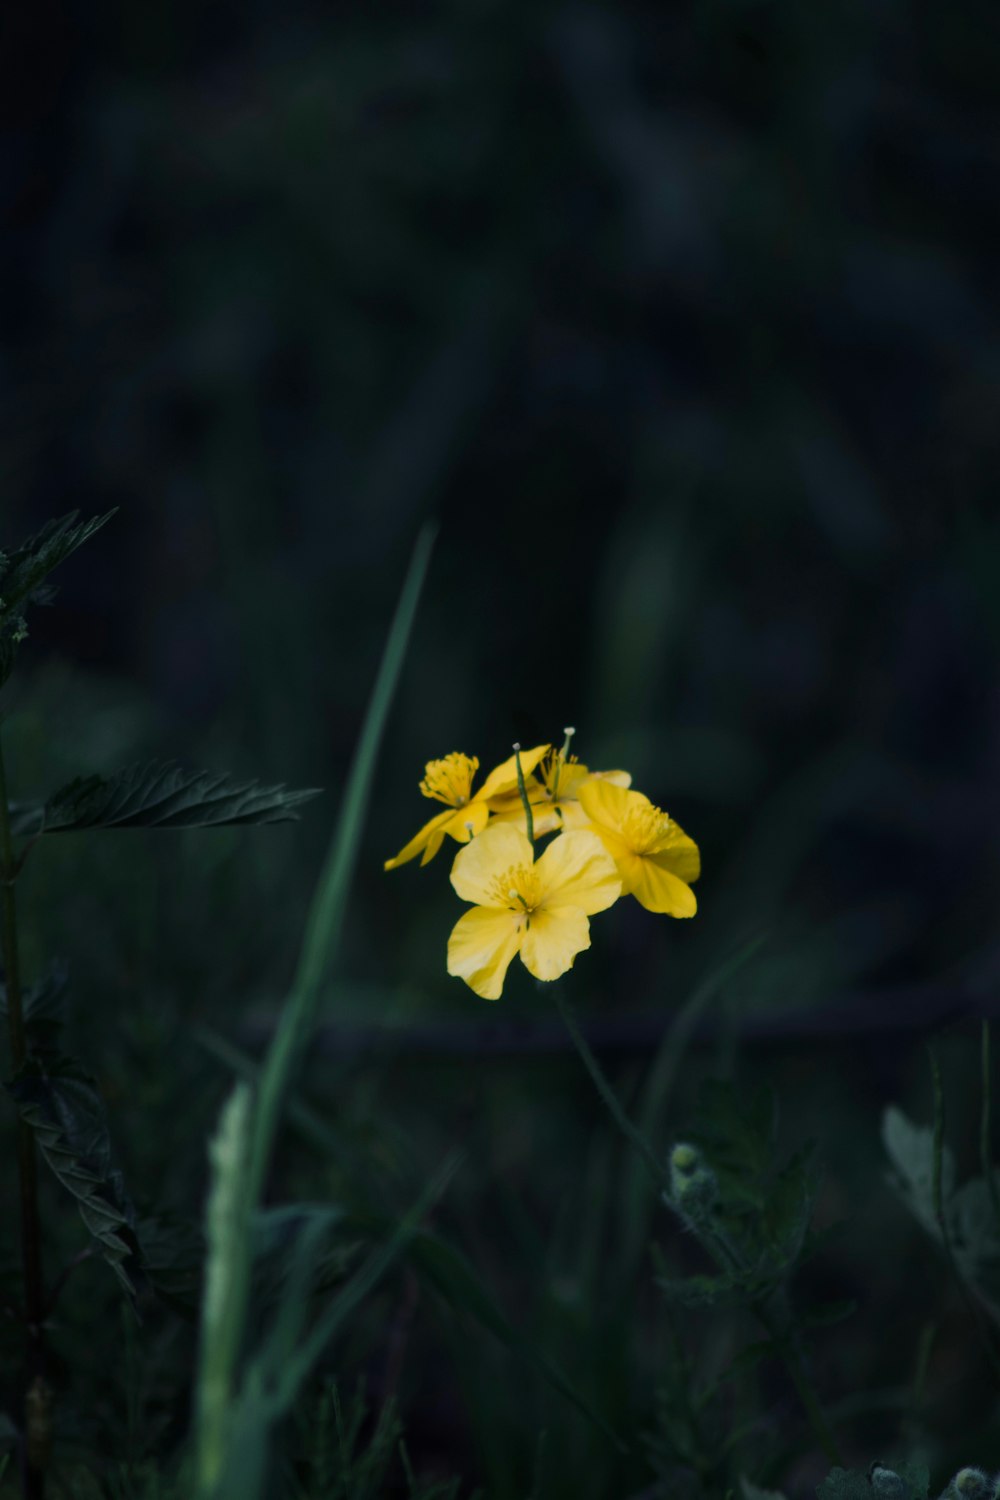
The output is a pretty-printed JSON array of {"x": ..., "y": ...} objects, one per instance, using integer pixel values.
[{"x": 867, "y": 1014}]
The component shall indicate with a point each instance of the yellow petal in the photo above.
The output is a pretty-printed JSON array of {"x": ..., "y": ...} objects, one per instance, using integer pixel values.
[
  {"x": 617, "y": 848},
  {"x": 573, "y": 816},
  {"x": 657, "y": 889},
  {"x": 547, "y": 818},
  {"x": 428, "y": 835},
  {"x": 462, "y": 824},
  {"x": 481, "y": 946},
  {"x": 577, "y": 870},
  {"x": 679, "y": 853},
  {"x": 552, "y": 940},
  {"x": 605, "y": 803},
  {"x": 476, "y": 814},
  {"x": 616, "y": 778},
  {"x": 509, "y": 803},
  {"x": 503, "y": 778},
  {"x": 498, "y": 848}
]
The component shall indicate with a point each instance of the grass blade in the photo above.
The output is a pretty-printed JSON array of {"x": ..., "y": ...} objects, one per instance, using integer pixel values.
[{"x": 241, "y": 1185}]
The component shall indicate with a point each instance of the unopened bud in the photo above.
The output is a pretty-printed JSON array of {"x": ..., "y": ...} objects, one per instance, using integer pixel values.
[
  {"x": 886, "y": 1482},
  {"x": 971, "y": 1484},
  {"x": 693, "y": 1184}
]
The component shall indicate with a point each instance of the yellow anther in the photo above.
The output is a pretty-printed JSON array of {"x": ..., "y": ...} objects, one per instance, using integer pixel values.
[{"x": 450, "y": 780}]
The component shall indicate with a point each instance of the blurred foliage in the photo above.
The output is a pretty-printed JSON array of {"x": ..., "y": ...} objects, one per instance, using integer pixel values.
[{"x": 684, "y": 324}]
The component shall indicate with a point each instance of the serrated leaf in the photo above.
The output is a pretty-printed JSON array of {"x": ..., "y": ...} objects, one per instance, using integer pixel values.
[
  {"x": 788, "y": 1208},
  {"x": 29, "y": 564},
  {"x": 736, "y": 1129},
  {"x": 161, "y": 795},
  {"x": 62, "y": 1106},
  {"x": 172, "y": 1257},
  {"x": 43, "y": 1007},
  {"x": 23, "y": 570}
]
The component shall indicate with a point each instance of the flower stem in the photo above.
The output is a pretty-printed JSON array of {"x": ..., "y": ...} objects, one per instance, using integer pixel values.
[
  {"x": 524, "y": 794},
  {"x": 714, "y": 1240},
  {"x": 31, "y": 1240},
  {"x": 656, "y": 1168}
]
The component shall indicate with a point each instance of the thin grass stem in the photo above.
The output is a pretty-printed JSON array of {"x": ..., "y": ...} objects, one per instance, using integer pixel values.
[
  {"x": 940, "y": 1214},
  {"x": 27, "y": 1164}
]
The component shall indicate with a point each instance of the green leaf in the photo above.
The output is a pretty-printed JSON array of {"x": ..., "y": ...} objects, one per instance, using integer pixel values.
[
  {"x": 736, "y": 1129},
  {"x": 788, "y": 1209},
  {"x": 850, "y": 1484},
  {"x": 43, "y": 1008},
  {"x": 160, "y": 795},
  {"x": 62, "y": 1106},
  {"x": 976, "y": 1242},
  {"x": 911, "y": 1150},
  {"x": 172, "y": 1257},
  {"x": 220, "y": 1440},
  {"x": 227, "y": 1222},
  {"x": 704, "y": 1291},
  {"x": 22, "y": 572}
]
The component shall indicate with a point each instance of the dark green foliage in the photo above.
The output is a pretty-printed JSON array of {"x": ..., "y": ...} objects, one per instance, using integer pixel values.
[
  {"x": 44, "y": 1006},
  {"x": 968, "y": 1211},
  {"x": 23, "y": 570},
  {"x": 766, "y": 1208},
  {"x": 894, "y": 1480},
  {"x": 159, "y": 795},
  {"x": 62, "y": 1105}
]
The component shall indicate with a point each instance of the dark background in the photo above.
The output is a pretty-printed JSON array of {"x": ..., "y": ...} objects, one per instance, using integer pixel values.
[{"x": 682, "y": 321}]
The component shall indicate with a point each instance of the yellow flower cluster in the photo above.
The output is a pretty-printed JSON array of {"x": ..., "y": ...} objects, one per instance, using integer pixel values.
[{"x": 609, "y": 841}]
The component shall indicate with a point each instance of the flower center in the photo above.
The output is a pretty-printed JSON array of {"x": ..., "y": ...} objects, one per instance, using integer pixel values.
[
  {"x": 643, "y": 827},
  {"x": 450, "y": 780},
  {"x": 517, "y": 889},
  {"x": 557, "y": 775}
]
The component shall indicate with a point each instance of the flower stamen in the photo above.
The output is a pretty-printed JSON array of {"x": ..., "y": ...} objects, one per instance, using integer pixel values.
[{"x": 449, "y": 780}]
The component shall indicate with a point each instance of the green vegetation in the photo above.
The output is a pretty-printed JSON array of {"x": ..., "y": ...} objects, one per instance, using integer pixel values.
[{"x": 305, "y": 1247}]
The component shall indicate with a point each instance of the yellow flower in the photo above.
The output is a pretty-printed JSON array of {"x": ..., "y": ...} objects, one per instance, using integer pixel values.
[
  {"x": 555, "y": 795},
  {"x": 655, "y": 858},
  {"x": 466, "y": 812},
  {"x": 537, "y": 908}
]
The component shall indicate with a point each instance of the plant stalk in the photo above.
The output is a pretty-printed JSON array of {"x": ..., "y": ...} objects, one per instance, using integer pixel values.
[
  {"x": 31, "y": 1239},
  {"x": 528, "y": 816},
  {"x": 782, "y": 1330}
]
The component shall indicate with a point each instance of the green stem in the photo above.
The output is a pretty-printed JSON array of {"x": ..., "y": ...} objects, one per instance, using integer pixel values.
[
  {"x": 31, "y": 1239},
  {"x": 780, "y": 1325},
  {"x": 524, "y": 795},
  {"x": 656, "y": 1168},
  {"x": 944, "y": 1230},
  {"x": 714, "y": 1240},
  {"x": 986, "y": 1126}
]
